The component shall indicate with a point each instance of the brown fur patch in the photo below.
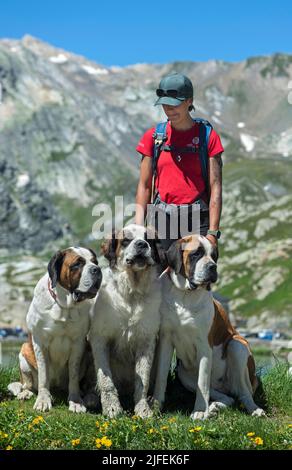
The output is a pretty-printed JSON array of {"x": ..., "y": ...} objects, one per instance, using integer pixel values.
[
  {"x": 28, "y": 353},
  {"x": 187, "y": 245},
  {"x": 70, "y": 279},
  {"x": 111, "y": 248},
  {"x": 221, "y": 331}
]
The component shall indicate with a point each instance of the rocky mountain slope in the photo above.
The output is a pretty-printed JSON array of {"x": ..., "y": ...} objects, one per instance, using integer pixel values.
[{"x": 68, "y": 131}]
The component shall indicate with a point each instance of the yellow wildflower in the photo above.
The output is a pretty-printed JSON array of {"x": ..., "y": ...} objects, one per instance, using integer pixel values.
[
  {"x": 258, "y": 441},
  {"x": 134, "y": 428},
  {"x": 289, "y": 425},
  {"x": 196, "y": 429},
  {"x": 97, "y": 424},
  {"x": 250, "y": 434},
  {"x": 164, "y": 428},
  {"x": 75, "y": 442},
  {"x": 151, "y": 431},
  {"x": 3, "y": 435},
  {"x": 9, "y": 448},
  {"x": 98, "y": 443},
  {"x": 106, "y": 442},
  {"x": 17, "y": 434},
  {"x": 134, "y": 417},
  {"x": 172, "y": 420},
  {"x": 37, "y": 420}
]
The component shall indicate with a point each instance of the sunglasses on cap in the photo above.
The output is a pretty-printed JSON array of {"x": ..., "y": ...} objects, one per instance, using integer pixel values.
[{"x": 170, "y": 93}]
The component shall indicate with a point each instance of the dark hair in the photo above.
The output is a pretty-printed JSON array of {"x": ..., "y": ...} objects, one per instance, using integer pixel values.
[{"x": 191, "y": 107}]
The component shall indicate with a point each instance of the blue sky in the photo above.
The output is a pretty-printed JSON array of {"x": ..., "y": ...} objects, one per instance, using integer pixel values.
[{"x": 127, "y": 32}]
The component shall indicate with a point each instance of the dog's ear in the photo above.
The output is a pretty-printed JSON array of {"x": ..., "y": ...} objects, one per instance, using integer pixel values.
[
  {"x": 54, "y": 267},
  {"x": 93, "y": 254},
  {"x": 174, "y": 257},
  {"x": 108, "y": 249}
]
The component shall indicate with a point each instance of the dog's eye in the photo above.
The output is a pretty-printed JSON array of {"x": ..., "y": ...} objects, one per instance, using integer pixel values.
[
  {"x": 125, "y": 242},
  {"x": 198, "y": 253},
  {"x": 75, "y": 266}
]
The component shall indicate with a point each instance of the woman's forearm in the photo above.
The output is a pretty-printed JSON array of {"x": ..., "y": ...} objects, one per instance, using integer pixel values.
[
  {"x": 215, "y": 207},
  {"x": 143, "y": 197}
]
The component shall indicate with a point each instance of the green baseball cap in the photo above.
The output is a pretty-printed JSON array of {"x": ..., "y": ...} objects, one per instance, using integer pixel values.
[{"x": 174, "y": 89}]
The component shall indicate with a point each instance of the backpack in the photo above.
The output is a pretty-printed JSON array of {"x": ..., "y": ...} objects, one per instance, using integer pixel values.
[{"x": 160, "y": 137}]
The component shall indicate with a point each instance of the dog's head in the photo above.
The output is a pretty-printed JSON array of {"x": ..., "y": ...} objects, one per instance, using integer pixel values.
[
  {"x": 134, "y": 247},
  {"x": 194, "y": 257},
  {"x": 76, "y": 270}
]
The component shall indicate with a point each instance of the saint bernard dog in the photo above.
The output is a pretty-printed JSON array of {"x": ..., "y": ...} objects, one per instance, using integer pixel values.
[
  {"x": 213, "y": 359},
  {"x": 58, "y": 322},
  {"x": 126, "y": 320}
]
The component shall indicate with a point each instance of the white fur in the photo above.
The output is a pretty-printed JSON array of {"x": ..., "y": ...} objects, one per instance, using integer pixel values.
[
  {"x": 187, "y": 316},
  {"x": 59, "y": 328},
  {"x": 124, "y": 329}
]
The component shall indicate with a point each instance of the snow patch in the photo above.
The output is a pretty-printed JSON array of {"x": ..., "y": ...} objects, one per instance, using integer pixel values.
[
  {"x": 58, "y": 59},
  {"x": 241, "y": 125},
  {"x": 218, "y": 113},
  {"x": 94, "y": 70},
  {"x": 22, "y": 180},
  {"x": 248, "y": 141}
]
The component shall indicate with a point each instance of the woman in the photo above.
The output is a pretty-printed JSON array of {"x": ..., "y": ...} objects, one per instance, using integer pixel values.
[{"x": 179, "y": 176}]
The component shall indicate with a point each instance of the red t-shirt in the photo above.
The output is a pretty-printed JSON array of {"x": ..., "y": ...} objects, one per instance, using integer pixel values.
[{"x": 180, "y": 182}]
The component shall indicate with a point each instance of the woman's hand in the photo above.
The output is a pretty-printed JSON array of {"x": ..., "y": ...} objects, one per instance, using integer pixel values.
[{"x": 212, "y": 239}]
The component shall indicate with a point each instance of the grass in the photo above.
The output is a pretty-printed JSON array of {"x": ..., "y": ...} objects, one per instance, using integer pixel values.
[{"x": 22, "y": 428}]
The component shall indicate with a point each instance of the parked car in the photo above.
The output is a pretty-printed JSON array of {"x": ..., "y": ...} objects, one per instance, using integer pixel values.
[
  {"x": 268, "y": 335},
  {"x": 16, "y": 332}
]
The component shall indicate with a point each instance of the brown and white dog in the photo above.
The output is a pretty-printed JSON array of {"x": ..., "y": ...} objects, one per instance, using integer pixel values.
[
  {"x": 214, "y": 360},
  {"x": 126, "y": 321},
  {"x": 58, "y": 321}
]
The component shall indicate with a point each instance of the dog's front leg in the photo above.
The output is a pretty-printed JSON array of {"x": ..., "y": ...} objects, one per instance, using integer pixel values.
[
  {"x": 75, "y": 403},
  {"x": 164, "y": 357},
  {"x": 44, "y": 398},
  {"x": 110, "y": 402},
  {"x": 204, "y": 358},
  {"x": 144, "y": 360}
]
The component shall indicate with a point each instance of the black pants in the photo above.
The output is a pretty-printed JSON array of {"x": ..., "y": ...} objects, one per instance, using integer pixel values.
[{"x": 167, "y": 240}]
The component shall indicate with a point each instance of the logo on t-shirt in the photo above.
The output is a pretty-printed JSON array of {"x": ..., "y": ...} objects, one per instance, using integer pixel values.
[{"x": 196, "y": 140}]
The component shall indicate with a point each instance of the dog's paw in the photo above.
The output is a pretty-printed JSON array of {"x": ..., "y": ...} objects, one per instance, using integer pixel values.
[
  {"x": 215, "y": 407},
  {"x": 143, "y": 410},
  {"x": 259, "y": 412},
  {"x": 201, "y": 415},
  {"x": 77, "y": 407},
  {"x": 112, "y": 408},
  {"x": 15, "y": 388},
  {"x": 43, "y": 402},
  {"x": 24, "y": 395}
]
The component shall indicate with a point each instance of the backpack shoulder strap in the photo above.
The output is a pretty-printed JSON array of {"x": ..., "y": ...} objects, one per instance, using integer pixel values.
[
  {"x": 160, "y": 137},
  {"x": 205, "y": 129}
]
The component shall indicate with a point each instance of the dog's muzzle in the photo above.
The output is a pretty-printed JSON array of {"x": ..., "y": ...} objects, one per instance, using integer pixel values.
[{"x": 96, "y": 276}]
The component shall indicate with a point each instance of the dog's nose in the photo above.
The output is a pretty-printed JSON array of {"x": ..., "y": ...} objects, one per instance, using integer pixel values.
[
  {"x": 212, "y": 267},
  {"x": 212, "y": 272},
  {"x": 141, "y": 244}
]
